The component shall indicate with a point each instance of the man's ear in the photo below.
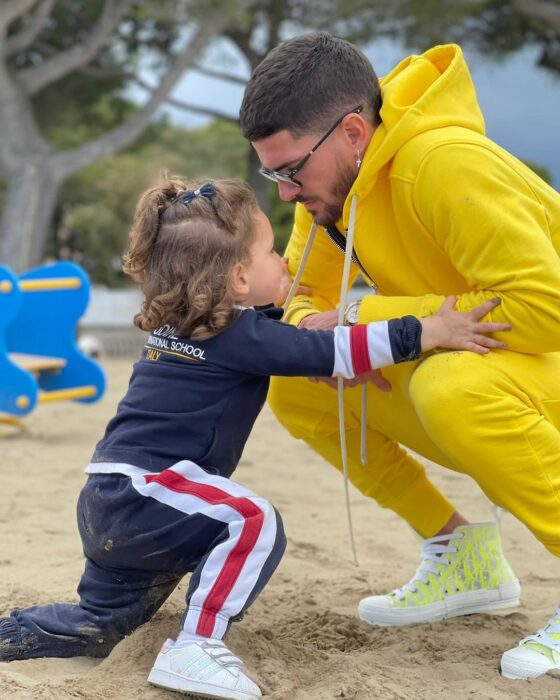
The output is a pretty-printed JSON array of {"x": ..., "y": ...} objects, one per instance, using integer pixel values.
[
  {"x": 239, "y": 281},
  {"x": 357, "y": 130}
]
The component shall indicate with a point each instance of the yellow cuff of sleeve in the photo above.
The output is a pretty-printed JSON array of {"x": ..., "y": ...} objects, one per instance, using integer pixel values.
[
  {"x": 303, "y": 306},
  {"x": 295, "y": 316}
]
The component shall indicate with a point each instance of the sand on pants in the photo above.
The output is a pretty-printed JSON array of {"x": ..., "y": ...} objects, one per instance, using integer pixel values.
[{"x": 301, "y": 640}]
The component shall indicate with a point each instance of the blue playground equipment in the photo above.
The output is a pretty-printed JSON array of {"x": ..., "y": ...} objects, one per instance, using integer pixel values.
[{"x": 39, "y": 358}]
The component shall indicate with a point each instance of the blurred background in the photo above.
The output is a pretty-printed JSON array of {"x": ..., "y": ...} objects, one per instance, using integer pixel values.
[{"x": 97, "y": 97}]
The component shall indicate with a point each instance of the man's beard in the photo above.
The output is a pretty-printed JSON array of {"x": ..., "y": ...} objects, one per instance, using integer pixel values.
[{"x": 333, "y": 209}]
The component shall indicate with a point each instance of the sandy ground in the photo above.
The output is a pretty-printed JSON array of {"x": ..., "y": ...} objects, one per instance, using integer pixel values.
[{"x": 301, "y": 639}]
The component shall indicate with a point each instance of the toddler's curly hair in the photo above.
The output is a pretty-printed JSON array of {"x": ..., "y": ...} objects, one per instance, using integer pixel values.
[{"x": 182, "y": 254}]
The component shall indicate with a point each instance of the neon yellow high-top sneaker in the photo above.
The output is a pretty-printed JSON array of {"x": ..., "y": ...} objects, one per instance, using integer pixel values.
[
  {"x": 536, "y": 654},
  {"x": 460, "y": 574}
]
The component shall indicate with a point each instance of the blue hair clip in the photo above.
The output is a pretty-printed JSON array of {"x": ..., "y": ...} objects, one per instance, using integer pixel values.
[{"x": 207, "y": 190}]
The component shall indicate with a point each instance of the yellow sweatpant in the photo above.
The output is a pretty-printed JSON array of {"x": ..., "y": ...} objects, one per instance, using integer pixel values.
[{"x": 494, "y": 417}]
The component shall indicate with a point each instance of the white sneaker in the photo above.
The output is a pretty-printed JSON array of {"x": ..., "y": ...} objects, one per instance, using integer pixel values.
[
  {"x": 205, "y": 669},
  {"x": 467, "y": 575},
  {"x": 536, "y": 654}
]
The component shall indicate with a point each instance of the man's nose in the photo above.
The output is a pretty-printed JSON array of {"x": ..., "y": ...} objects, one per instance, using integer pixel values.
[{"x": 287, "y": 191}]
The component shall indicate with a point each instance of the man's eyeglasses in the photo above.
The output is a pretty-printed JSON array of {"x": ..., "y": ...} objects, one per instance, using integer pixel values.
[{"x": 288, "y": 177}]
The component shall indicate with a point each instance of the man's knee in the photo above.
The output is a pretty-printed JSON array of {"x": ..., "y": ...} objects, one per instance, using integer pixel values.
[
  {"x": 553, "y": 547},
  {"x": 280, "y": 401},
  {"x": 305, "y": 409},
  {"x": 444, "y": 389}
]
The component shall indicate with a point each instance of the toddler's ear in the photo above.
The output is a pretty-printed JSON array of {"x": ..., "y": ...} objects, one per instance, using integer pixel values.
[{"x": 239, "y": 282}]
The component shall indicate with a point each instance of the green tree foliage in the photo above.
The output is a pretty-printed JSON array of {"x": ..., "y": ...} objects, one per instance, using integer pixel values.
[{"x": 495, "y": 27}]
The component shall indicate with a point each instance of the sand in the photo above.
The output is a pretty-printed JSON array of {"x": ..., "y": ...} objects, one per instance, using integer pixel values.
[{"x": 301, "y": 639}]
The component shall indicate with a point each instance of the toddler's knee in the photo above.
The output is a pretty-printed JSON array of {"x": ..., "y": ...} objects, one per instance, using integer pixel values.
[
  {"x": 272, "y": 528},
  {"x": 104, "y": 631},
  {"x": 101, "y": 644},
  {"x": 280, "y": 541},
  {"x": 271, "y": 518}
]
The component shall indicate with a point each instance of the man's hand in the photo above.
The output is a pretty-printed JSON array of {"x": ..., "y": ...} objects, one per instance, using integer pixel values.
[
  {"x": 373, "y": 377},
  {"x": 325, "y": 321}
]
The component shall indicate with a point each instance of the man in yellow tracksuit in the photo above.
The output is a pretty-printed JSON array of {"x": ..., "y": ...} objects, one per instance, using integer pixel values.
[{"x": 440, "y": 210}]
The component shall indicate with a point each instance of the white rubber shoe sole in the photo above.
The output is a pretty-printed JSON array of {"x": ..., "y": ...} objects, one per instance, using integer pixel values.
[
  {"x": 196, "y": 689},
  {"x": 521, "y": 663},
  {"x": 375, "y": 610}
]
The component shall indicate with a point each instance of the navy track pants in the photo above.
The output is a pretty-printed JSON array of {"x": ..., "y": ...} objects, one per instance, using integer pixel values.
[{"x": 141, "y": 534}]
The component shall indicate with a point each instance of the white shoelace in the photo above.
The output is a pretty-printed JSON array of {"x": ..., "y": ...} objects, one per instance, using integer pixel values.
[
  {"x": 216, "y": 650},
  {"x": 432, "y": 554},
  {"x": 221, "y": 654},
  {"x": 543, "y": 636}
]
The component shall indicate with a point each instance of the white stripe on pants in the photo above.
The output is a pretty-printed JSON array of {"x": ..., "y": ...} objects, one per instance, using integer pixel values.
[{"x": 230, "y": 571}]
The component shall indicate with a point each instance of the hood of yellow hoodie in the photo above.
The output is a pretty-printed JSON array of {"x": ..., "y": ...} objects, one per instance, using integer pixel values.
[{"x": 424, "y": 92}]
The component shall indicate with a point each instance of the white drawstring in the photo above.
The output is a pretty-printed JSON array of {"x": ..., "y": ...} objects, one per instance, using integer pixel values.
[
  {"x": 302, "y": 264},
  {"x": 498, "y": 514},
  {"x": 340, "y": 380},
  {"x": 363, "y": 432}
]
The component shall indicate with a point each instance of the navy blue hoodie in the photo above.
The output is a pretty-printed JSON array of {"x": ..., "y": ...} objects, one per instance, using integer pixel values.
[{"x": 198, "y": 400}]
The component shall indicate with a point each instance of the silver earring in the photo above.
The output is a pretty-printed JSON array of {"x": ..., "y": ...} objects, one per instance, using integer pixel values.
[{"x": 358, "y": 159}]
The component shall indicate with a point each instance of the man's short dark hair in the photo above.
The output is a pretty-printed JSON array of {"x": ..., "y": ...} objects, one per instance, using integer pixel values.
[{"x": 306, "y": 84}]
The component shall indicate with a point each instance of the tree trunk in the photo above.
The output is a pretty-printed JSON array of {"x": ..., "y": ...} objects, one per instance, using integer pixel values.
[
  {"x": 31, "y": 194},
  {"x": 31, "y": 184}
]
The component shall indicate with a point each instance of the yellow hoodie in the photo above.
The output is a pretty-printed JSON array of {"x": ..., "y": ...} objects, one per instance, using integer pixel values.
[{"x": 442, "y": 210}]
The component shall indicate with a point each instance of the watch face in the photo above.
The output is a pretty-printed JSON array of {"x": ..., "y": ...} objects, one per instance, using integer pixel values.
[{"x": 351, "y": 316}]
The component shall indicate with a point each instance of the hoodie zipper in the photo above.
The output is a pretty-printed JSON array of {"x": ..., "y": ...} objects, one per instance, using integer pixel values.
[{"x": 340, "y": 242}]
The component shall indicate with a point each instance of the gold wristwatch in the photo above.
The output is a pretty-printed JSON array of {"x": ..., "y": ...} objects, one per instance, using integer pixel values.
[{"x": 351, "y": 313}]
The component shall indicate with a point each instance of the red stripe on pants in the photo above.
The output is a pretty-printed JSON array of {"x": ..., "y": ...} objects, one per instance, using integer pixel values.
[{"x": 253, "y": 517}]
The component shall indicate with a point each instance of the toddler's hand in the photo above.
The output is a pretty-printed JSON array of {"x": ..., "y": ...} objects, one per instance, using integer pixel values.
[{"x": 461, "y": 331}]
